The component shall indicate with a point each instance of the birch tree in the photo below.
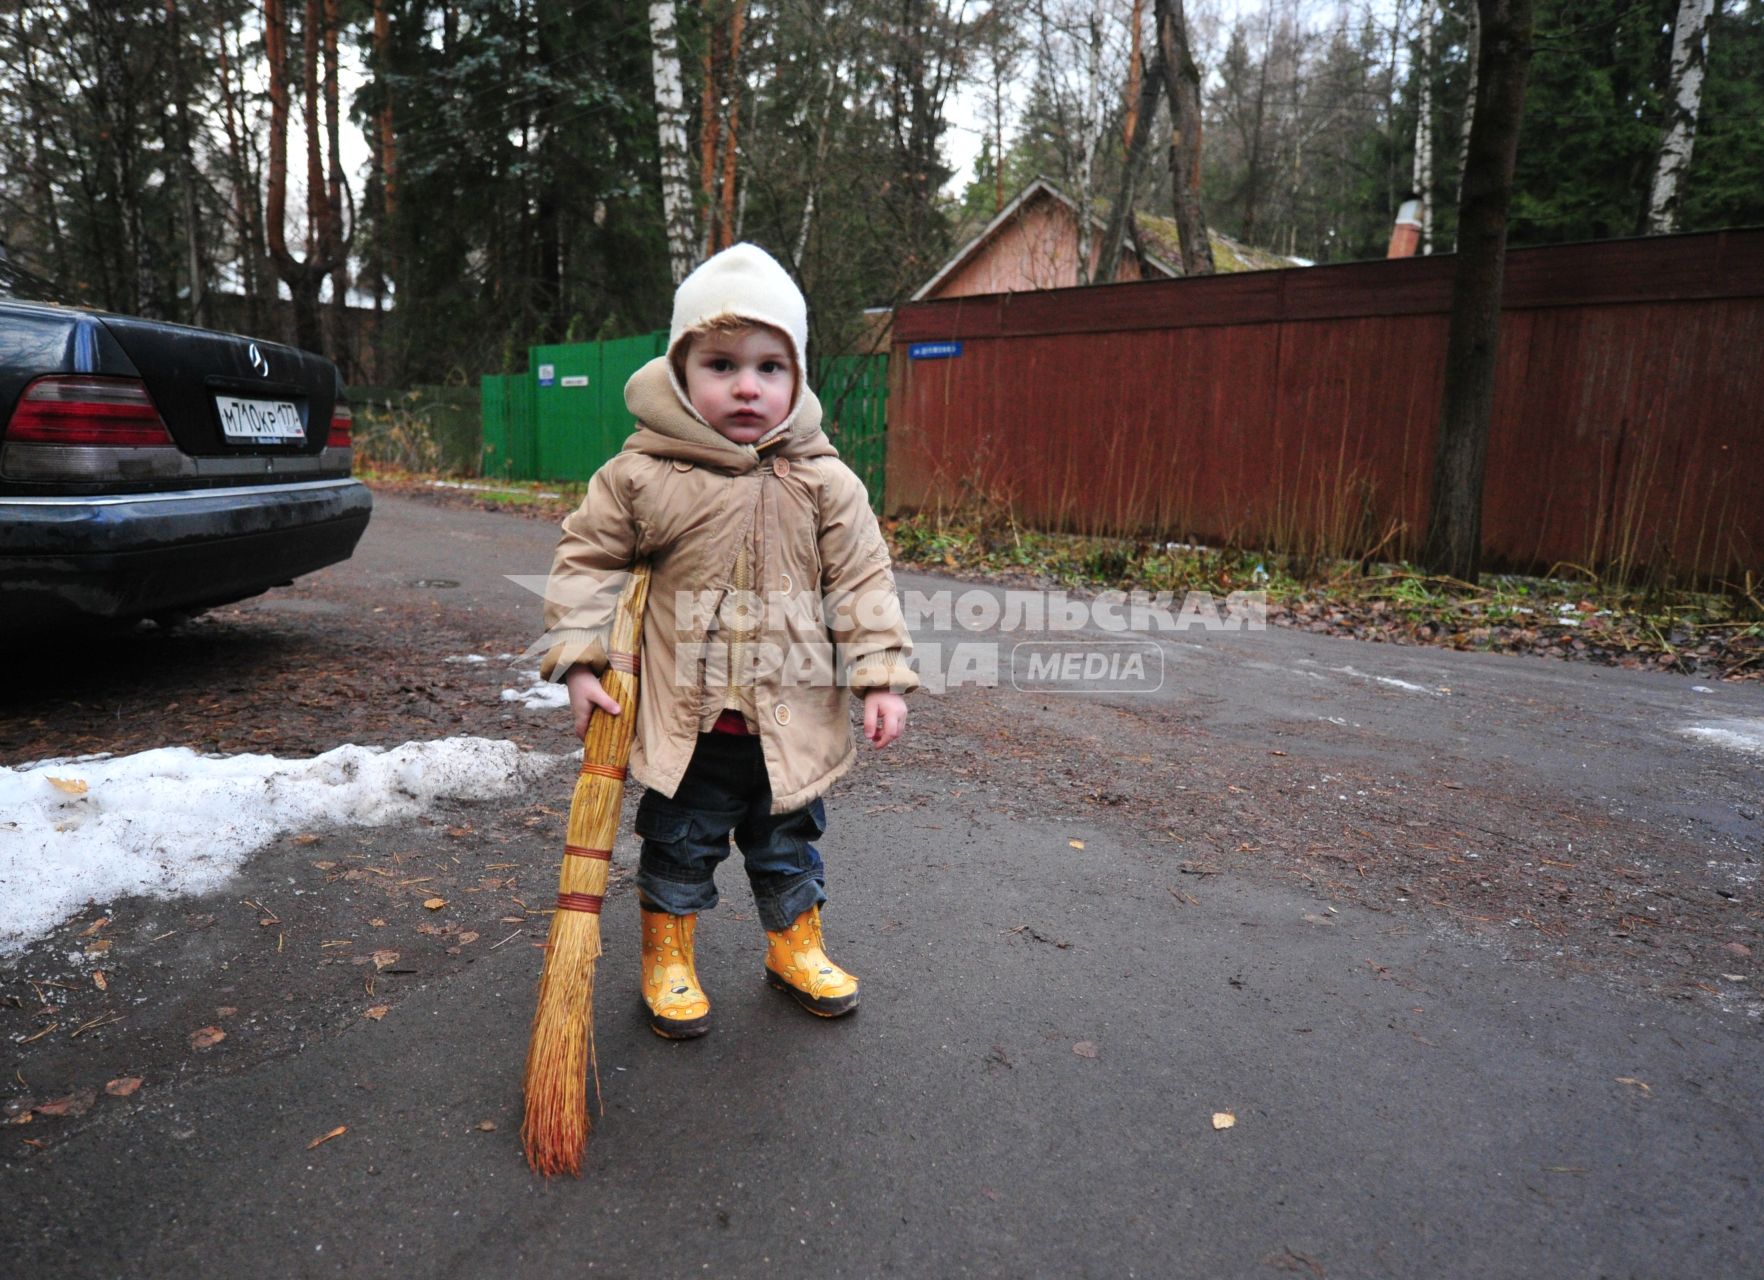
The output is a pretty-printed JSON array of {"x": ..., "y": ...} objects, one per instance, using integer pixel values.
[
  {"x": 1473, "y": 45},
  {"x": 1424, "y": 125},
  {"x": 670, "y": 120},
  {"x": 1684, "y": 100}
]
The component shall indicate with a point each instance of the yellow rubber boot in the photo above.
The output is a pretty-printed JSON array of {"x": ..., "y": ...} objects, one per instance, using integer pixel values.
[
  {"x": 678, "y": 1007},
  {"x": 797, "y": 962}
]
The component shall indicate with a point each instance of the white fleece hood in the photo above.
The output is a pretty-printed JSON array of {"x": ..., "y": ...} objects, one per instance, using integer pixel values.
[{"x": 747, "y": 282}]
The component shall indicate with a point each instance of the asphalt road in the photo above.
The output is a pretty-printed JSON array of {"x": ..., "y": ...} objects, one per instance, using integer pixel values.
[{"x": 1086, "y": 923}]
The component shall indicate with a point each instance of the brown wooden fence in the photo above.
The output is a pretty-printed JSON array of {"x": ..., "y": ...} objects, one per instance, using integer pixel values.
[{"x": 1297, "y": 408}]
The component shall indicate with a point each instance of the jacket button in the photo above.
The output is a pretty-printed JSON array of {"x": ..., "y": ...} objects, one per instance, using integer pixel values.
[
  {"x": 784, "y": 581},
  {"x": 780, "y": 467},
  {"x": 781, "y": 714},
  {"x": 680, "y": 464}
]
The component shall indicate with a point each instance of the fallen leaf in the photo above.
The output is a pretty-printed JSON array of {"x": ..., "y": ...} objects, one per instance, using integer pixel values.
[
  {"x": 384, "y": 958},
  {"x": 306, "y": 838},
  {"x": 1084, "y": 1049},
  {"x": 206, "y": 1037},
  {"x": 74, "y": 1104},
  {"x": 1639, "y": 1084},
  {"x": 1076, "y": 844},
  {"x": 99, "y": 980},
  {"x": 1311, "y": 917},
  {"x": 225, "y": 1011},
  {"x": 71, "y": 786},
  {"x": 1736, "y": 948},
  {"x": 325, "y": 865},
  {"x": 434, "y": 904},
  {"x": 486, "y": 1126},
  {"x": 377, "y": 923},
  {"x": 123, "y": 1086},
  {"x": 338, "y": 1132},
  {"x": 97, "y": 946},
  {"x": 1223, "y": 1119},
  {"x": 96, "y": 925},
  {"x": 467, "y": 938},
  {"x": 1289, "y": 1260},
  {"x": 457, "y": 832},
  {"x": 377, "y": 1012}
]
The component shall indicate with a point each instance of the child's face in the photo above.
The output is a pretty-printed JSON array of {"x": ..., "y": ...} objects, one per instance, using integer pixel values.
[{"x": 741, "y": 382}]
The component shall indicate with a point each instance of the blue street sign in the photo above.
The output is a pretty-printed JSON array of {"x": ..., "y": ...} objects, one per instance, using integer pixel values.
[{"x": 934, "y": 350}]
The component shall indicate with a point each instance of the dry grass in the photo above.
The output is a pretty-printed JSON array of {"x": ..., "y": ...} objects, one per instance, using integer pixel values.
[{"x": 1335, "y": 581}]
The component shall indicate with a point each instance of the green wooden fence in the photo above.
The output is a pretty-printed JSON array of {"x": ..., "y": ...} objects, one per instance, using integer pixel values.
[
  {"x": 854, "y": 404},
  {"x": 511, "y": 428},
  {"x": 566, "y": 415}
]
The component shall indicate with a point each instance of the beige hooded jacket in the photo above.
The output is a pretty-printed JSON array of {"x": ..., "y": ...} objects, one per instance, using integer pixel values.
[{"x": 685, "y": 498}]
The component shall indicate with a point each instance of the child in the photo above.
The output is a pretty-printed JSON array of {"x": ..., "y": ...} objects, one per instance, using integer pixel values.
[{"x": 765, "y": 555}]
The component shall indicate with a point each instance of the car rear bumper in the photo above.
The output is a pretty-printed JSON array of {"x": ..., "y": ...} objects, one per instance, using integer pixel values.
[{"x": 130, "y": 555}]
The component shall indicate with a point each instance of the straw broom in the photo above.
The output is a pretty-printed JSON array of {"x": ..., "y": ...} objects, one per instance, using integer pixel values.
[{"x": 555, "y": 1129}]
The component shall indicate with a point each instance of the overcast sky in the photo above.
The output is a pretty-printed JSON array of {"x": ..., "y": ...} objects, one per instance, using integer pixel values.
[
  {"x": 966, "y": 109},
  {"x": 966, "y": 113}
]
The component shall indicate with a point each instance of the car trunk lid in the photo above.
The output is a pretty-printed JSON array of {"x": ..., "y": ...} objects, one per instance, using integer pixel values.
[{"x": 223, "y": 394}]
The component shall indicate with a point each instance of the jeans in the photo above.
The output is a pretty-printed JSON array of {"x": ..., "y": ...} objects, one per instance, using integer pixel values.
[{"x": 684, "y": 837}]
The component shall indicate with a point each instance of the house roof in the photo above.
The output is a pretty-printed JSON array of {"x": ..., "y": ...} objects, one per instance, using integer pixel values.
[
  {"x": 1229, "y": 255},
  {"x": 1041, "y": 187}
]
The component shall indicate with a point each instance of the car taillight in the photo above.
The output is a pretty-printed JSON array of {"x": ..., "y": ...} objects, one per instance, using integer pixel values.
[
  {"x": 342, "y": 423},
  {"x": 115, "y": 412}
]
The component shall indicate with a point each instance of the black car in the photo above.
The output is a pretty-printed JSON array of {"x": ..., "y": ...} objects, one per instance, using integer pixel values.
[{"x": 153, "y": 470}]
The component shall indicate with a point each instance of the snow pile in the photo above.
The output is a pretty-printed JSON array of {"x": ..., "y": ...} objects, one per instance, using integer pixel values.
[
  {"x": 474, "y": 659},
  {"x": 539, "y": 695},
  {"x": 169, "y": 821},
  {"x": 1735, "y": 735}
]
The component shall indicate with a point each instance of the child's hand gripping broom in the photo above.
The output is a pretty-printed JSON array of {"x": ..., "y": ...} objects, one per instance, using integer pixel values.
[{"x": 555, "y": 1129}]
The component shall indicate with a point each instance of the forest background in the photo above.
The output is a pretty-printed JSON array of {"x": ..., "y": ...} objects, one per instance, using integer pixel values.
[{"x": 542, "y": 170}]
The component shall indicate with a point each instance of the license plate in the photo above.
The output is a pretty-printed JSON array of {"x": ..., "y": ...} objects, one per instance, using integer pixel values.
[{"x": 259, "y": 419}]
